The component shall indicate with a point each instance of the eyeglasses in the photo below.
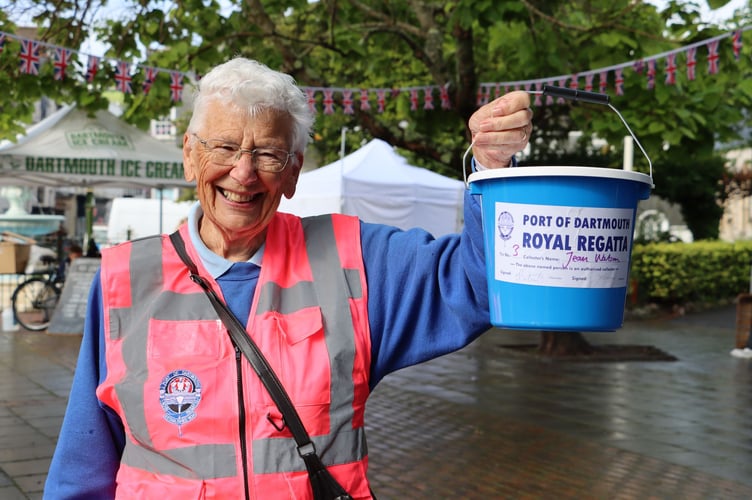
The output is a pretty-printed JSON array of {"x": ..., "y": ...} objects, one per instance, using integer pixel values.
[{"x": 264, "y": 159}]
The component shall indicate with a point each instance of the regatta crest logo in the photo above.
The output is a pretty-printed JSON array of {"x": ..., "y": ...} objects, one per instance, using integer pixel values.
[
  {"x": 505, "y": 225},
  {"x": 179, "y": 395}
]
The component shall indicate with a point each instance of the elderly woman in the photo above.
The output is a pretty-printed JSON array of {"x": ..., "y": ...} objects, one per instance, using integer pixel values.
[{"x": 163, "y": 404}]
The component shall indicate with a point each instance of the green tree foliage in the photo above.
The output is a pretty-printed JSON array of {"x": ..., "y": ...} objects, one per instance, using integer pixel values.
[{"x": 400, "y": 44}]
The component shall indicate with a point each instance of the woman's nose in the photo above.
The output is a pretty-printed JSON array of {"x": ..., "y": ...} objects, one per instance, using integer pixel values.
[{"x": 244, "y": 172}]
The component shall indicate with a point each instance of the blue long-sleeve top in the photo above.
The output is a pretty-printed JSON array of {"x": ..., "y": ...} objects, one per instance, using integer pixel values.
[{"x": 426, "y": 297}]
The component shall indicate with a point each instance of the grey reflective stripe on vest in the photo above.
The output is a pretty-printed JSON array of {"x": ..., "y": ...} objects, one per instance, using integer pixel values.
[
  {"x": 331, "y": 290},
  {"x": 146, "y": 290}
]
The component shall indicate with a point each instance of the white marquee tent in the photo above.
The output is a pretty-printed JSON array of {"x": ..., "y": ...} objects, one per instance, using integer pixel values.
[
  {"x": 378, "y": 185},
  {"x": 69, "y": 148}
]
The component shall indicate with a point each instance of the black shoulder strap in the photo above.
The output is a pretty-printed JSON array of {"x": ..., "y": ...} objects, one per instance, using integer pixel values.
[{"x": 241, "y": 339}]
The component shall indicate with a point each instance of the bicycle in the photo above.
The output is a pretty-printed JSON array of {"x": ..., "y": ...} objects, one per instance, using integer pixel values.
[{"x": 34, "y": 300}]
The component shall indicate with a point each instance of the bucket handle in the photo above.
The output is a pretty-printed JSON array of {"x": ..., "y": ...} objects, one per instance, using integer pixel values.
[{"x": 574, "y": 95}]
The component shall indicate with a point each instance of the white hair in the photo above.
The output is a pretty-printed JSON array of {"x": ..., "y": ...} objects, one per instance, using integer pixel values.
[{"x": 254, "y": 87}]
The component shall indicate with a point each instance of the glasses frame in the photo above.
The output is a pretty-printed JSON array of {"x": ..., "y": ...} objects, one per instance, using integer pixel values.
[{"x": 241, "y": 151}]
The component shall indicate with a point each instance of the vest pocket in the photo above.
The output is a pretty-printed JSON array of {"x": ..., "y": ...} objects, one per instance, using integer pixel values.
[
  {"x": 295, "y": 346},
  {"x": 298, "y": 326}
]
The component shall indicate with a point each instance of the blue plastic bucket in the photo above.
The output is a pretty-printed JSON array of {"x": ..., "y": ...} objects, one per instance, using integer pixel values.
[{"x": 558, "y": 244}]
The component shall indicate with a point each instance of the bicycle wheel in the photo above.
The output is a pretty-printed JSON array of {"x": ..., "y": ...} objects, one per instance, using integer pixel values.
[{"x": 33, "y": 303}]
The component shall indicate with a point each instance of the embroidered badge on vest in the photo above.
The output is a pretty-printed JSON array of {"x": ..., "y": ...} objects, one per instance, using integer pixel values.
[{"x": 179, "y": 395}]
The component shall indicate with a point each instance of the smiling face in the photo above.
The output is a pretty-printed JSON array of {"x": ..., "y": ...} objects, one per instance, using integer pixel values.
[{"x": 238, "y": 201}]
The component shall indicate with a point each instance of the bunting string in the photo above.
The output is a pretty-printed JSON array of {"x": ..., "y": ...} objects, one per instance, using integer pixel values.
[{"x": 33, "y": 54}]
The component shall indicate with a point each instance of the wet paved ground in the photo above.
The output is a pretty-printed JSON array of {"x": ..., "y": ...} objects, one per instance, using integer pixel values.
[{"x": 487, "y": 423}]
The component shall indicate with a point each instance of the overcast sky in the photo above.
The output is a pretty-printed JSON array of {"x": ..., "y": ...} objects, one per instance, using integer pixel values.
[{"x": 709, "y": 15}]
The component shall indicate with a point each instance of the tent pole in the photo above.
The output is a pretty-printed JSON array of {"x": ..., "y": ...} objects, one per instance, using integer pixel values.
[
  {"x": 89, "y": 215},
  {"x": 161, "y": 198},
  {"x": 342, "y": 171}
]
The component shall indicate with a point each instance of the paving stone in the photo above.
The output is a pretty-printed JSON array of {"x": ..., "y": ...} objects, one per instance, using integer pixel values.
[
  {"x": 12, "y": 493},
  {"x": 31, "y": 484},
  {"x": 26, "y": 467},
  {"x": 41, "y": 448}
]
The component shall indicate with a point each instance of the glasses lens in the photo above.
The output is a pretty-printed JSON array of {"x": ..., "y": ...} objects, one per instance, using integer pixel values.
[
  {"x": 270, "y": 160},
  {"x": 220, "y": 152}
]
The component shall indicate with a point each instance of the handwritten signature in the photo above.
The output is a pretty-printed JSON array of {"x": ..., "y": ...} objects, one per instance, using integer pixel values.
[{"x": 599, "y": 257}]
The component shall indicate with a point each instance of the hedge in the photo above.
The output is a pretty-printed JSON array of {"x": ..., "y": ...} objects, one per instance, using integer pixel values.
[{"x": 682, "y": 273}]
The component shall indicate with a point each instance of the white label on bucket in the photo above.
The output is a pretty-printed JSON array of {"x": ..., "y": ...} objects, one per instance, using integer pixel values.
[{"x": 572, "y": 247}]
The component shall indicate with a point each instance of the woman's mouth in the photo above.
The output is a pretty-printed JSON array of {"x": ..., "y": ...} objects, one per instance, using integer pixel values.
[{"x": 236, "y": 197}]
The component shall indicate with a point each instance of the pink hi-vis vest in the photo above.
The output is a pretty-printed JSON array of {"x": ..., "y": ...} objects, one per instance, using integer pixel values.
[{"x": 198, "y": 421}]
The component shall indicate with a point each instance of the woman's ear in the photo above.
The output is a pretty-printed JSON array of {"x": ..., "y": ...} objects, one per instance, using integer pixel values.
[
  {"x": 291, "y": 182},
  {"x": 188, "y": 168}
]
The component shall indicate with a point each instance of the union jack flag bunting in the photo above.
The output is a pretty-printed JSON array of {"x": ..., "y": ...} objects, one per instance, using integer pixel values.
[
  {"x": 311, "y": 93},
  {"x": 328, "y": 102},
  {"x": 62, "y": 60},
  {"x": 176, "y": 86},
  {"x": 427, "y": 98},
  {"x": 381, "y": 99},
  {"x": 347, "y": 102},
  {"x": 671, "y": 69},
  {"x": 29, "y": 57},
  {"x": 691, "y": 63},
  {"x": 413, "y": 99},
  {"x": 651, "y": 74},
  {"x": 603, "y": 82},
  {"x": 30, "y": 62},
  {"x": 92, "y": 66},
  {"x": 364, "y": 104},
  {"x": 713, "y": 57},
  {"x": 619, "y": 82},
  {"x": 151, "y": 75},
  {"x": 574, "y": 83},
  {"x": 737, "y": 43},
  {"x": 444, "y": 96},
  {"x": 123, "y": 77},
  {"x": 589, "y": 82}
]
